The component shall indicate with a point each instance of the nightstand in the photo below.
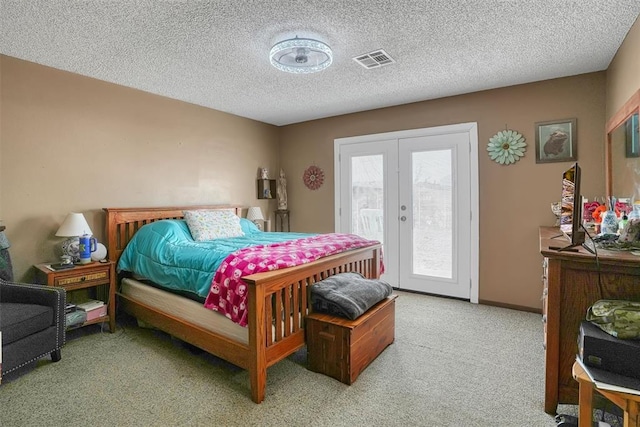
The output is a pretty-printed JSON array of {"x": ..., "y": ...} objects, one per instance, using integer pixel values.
[{"x": 99, "y": 278}]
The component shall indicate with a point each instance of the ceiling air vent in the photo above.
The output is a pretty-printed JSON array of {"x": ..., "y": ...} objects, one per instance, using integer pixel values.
[{"x": 374, "y": 59}]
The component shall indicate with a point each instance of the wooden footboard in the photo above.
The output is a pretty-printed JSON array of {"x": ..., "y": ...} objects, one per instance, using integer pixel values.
[{"x": 278, "y": 300}]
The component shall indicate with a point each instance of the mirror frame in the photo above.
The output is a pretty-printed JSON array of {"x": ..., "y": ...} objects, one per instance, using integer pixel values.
[{"x": 632, "y": 106}]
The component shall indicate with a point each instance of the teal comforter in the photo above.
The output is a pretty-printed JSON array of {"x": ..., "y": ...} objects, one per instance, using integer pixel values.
[{"x": 165, "y": 253}]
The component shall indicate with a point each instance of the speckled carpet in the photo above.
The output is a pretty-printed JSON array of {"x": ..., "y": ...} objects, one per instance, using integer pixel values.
[{"x": 452, "y": 364}]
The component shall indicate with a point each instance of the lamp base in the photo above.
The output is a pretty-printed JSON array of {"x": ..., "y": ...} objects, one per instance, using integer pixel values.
[{"x": 71, "y": 247}]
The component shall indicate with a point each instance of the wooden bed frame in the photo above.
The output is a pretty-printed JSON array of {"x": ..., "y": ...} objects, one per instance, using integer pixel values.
[{"x": 271, "y": 295}]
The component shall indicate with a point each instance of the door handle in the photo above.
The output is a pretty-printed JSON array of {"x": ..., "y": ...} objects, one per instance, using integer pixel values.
[{"x": 403, "y": 218}]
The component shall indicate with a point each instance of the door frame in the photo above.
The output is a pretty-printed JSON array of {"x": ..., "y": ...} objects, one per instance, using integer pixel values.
[{"x": 471, "y": 128}]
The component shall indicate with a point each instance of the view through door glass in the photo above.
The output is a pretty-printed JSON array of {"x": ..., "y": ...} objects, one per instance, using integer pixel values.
[
  {"x": 367, "y": 187},
  {"x": 432, "y": 214}
]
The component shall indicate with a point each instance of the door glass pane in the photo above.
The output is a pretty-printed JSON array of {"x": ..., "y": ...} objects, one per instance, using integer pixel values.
[
  {"x": 367, "y": 191},
  {"x": 432, "y": 213}
]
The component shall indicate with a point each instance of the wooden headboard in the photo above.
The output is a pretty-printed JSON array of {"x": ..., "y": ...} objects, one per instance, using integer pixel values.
[{"x": 122, "y": 223}]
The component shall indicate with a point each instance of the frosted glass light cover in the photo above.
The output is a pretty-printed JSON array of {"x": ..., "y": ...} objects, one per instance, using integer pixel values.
[{"x": 301, "y": 56}]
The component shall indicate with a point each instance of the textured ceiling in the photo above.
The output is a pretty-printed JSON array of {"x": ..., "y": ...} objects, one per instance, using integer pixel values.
[{"x": 215, "y": 53}]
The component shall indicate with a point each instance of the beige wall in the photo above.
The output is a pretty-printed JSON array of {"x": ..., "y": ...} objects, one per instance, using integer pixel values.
[
  {"x": 623, "y": 74},
  {"x": 514, "y": 200},
  {"x": 71, "y": 143}
]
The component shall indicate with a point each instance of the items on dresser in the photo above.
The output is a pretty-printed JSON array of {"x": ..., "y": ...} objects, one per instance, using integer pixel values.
[{"x": 573, "y": 281}]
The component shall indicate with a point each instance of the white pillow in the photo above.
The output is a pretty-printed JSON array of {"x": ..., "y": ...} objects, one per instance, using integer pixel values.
[{"x": 209, "y": 225}]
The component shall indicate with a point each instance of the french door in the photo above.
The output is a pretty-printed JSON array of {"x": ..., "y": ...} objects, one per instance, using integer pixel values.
[{"x": 416, "y": 192}]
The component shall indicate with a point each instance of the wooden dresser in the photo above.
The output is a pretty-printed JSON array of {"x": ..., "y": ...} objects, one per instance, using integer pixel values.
[{"x": 572, "y": 282}]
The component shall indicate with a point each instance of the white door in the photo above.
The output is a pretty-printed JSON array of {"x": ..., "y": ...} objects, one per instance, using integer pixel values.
[
  {"x": 435, "y": 214},
  {"x": 368, "y": 196},
  {"x": 415, "y": 191}
]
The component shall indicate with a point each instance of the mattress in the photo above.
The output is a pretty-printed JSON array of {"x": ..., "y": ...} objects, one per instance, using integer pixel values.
[
  {"x": 184, "y": 308},
  {"x": 165, "y": 253}
]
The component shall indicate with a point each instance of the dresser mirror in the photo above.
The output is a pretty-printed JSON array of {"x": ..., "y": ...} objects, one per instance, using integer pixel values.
[{"x": 622, "y": 151}]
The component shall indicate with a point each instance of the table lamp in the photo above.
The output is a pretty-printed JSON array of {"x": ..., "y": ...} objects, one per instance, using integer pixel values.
[
  {"x": 254, "y": 214},
  {"x": 73, "y": 226}
]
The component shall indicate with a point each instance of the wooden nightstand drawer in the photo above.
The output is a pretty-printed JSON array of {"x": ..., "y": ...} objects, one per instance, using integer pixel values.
[{"x": 85, "y": 279}]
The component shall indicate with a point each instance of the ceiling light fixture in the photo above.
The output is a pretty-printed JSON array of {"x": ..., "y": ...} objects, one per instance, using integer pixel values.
[{"x": 301, "y": 56}]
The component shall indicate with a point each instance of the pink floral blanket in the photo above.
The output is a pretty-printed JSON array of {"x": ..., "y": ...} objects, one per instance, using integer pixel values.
[{"x": 228, "y": 293}]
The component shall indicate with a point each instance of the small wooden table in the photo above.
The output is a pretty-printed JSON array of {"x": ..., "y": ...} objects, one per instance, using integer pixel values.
[
  {"x": 100, "y": 276},
  {"x": 629, "y": 403}
]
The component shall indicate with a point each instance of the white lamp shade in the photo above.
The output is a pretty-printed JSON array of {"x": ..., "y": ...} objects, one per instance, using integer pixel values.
[
  {"x": 74, "y": 225},
  {"x": 255, "y": 214}
]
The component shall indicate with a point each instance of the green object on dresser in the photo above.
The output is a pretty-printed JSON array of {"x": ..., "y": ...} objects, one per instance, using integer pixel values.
[{"x": 618, "y": 318}]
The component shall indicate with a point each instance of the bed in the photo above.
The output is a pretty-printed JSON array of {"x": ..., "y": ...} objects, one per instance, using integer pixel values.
[{"x": 271, "y": 295}]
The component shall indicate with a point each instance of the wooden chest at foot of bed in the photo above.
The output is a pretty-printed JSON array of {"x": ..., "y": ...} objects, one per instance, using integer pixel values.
[{"x": 343, "y": 348}]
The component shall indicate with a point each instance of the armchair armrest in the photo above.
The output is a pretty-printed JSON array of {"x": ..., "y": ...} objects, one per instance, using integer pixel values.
[
  {"x": 50, "y": 296},
  {"x": 32, "y": 294}
]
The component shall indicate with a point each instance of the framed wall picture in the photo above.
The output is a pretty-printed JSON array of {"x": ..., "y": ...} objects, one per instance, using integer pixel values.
[
  {"x": 632, "y": 134},
  {"x": 556, "y": 141}
]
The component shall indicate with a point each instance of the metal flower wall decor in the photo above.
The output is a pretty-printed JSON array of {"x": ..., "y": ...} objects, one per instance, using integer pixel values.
[
  {"x": 313, "y": 177},
  {"x": 506, "y": 147}
]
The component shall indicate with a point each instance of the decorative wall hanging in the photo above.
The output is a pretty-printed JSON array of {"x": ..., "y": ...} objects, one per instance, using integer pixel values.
[
  {"x": 313, "y": 177},
  {"x": 556, "y": 141},
  {"x": 506, "y": 147}
]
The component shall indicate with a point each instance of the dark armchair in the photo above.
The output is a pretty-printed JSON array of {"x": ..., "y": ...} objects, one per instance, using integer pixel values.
[{"x": 32, "y": 322}]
